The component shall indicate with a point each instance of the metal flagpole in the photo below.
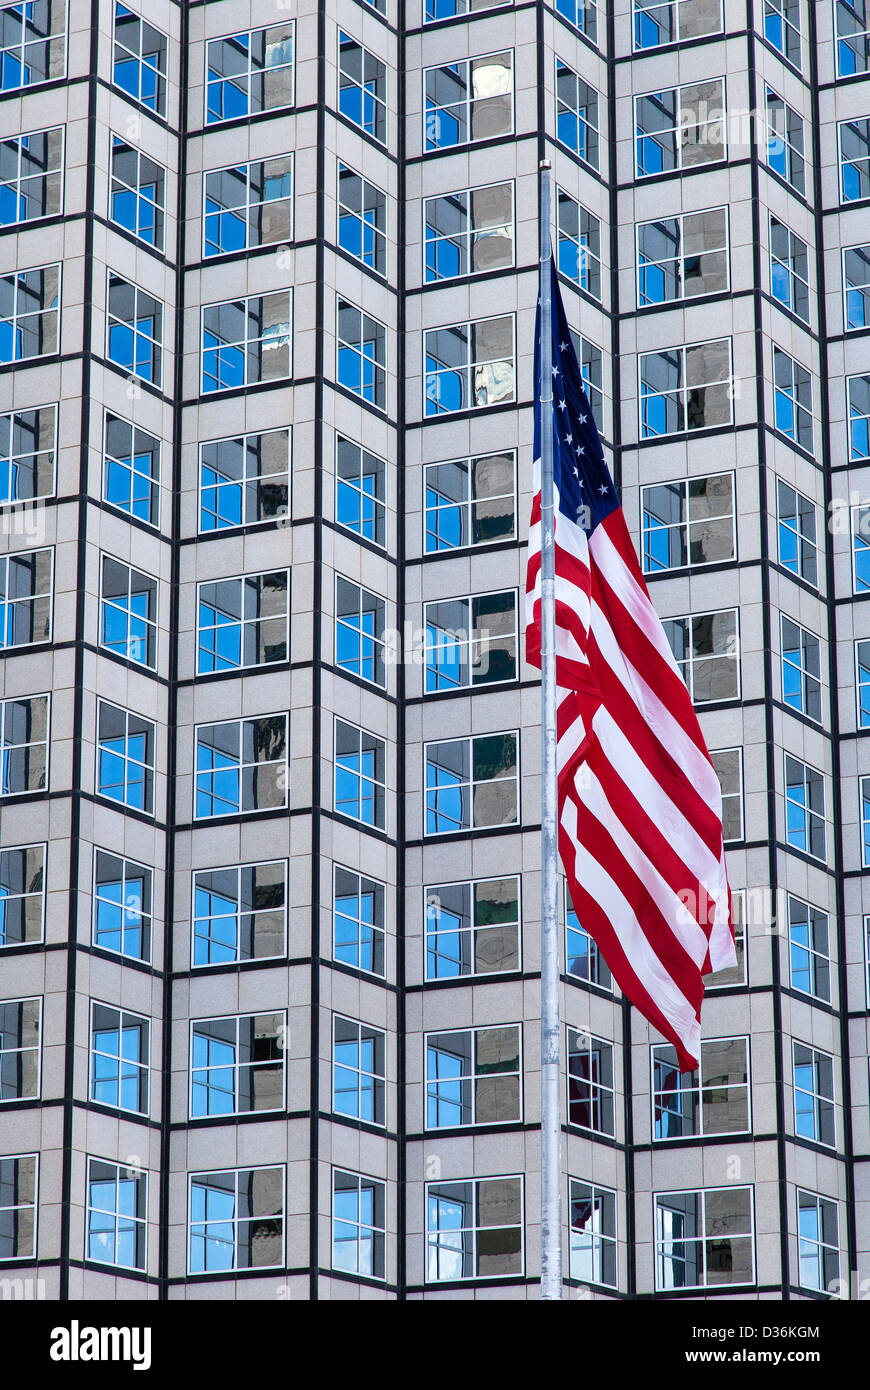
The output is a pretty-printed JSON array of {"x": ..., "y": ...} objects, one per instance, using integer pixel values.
[{"x": 551, "y": 1129}]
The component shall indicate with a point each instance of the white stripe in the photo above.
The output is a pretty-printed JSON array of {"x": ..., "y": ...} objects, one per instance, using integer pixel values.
[
  {"x": 659, "y": 985},
  {"x": 690, "y": 935},
  {"x": 663, "y": 724}
]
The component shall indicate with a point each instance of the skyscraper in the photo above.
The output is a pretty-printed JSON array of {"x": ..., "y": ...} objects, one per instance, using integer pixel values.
[{"x": 269, "y": 812}]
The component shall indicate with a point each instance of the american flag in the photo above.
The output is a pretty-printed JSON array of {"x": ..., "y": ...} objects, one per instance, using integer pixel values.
[{"x": 640, "y": 808}]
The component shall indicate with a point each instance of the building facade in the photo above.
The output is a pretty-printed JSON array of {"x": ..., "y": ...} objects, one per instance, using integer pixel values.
[{"x": 269, "y": 813}]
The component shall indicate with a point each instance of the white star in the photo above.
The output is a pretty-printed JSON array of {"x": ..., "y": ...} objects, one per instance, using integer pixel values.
[
  {"x": 562, "y": 405},
  {"x": 583, "y": 419},
  {"x": 563, "y": 347},
  {"x": 603, "y": 488},
  {"x": 579, "y": 450},
  {"x": 569, "y": 439},
  {"x": 555, "y": 371}
]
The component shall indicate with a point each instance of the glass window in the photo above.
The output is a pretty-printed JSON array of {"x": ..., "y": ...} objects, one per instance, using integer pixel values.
[
  {"x": 704, "y": 1239},
  {"x": 796, "y": 533},
  {"x": 853, "y": 37},
  {"x": 25, "y": 598},
  {"x": 29, "y": 314},
  {"x": 362, "y": 88},
  {"x": 27, "y": 454},
  {"x": 858, "y": 400},
  {"x": 117, "y": 1214},
  {"x": 242, "y": 622},
  {"x": 469, "y": 100},
  {"x": 473, "y": 1077},
  {"x": 361, "y": 354},
  {"x": 359, "y": 1214},
  {"x": 786, "y": 142},
  {"x": 686, "y": 388},
  {"x": 688, "y": 522},
  {"x": 32, "y": 43},
  {"x": 362, "y": 219},
  {"x": 856, "y": 287},
  {"x": 31, "y": 176},
  {"x": 681, "y": 128},
  {"x": 577, "y": 114},
  {"x": 658, "y": 22},
  {"x": 236, "y": 1220},
  {"x": 137, "y": 193},
  {"x": 469, "y": 232},
  {"x": 818, "y": 1242},
  {"x": 862, "y": 682},
  {"x": 359, "y": 912},
  {"x": 814, "y": 1095},
  {"x": 359, "y": 1087},
  {"x": 128, "y": 612},
  {"x": 360, "y": 775},
  {"x": 728, "y": 766},
  {"x": 583, "y": 959},
  {"x": 123, "y": 893},
  {"x": 119, "y": 1058},
  {"x": 801, "y": 669},
  {"x": 360, "y": 491},
  {"x": 125, "y": 757},
  {"x": 360, "y": 622},
  {"x": 134, "y": 330},
  {"x": 139, "y": 61},
  {"x": 249, "y": 73},
  {"x": 792, "y": 399},
  {"x": 712, "y": 1099},
  {"x": 241, "y": 765},
  {"x": 244, "y": 481},
  {"x": 854, "y": 159},
  {"x": 20, "y": 1049},
  {"x": 789, "y": 270},
  {"x": 246, "y": 341},
  {"x": 590, "y": 1083},
  {"x": 23, "y": 745},
  {"x": 782, "y": 28},
  {"x": 472, "y": 928},
  {"x": 470, "y": 501},
  {"x": 455, "y": 9},
  {"x": 804, "y": 808},
  {"x": 706, "y": 649},
  {"x": 593, "y": 1233},
  {"x": 472, "y": 783},
  {"x": 861, "y": 549},
  {"x": 239, "y": 913},
  {"x": 809, "y": 949},
  {"x": 474, "y": 1229},
  {"x": 247, "y": 205},
  {"x": 131, "y": 469},
  {"x": 471, "y": 641},
  {"x": 864, "y": 784},
  {"x": 22, "y": 895},
  {"x": 237, "y": 1064},
  {"x": 18, "y": 1209},
  {"x": 733, "y": 974},
  {"x": 682, "y": 257},
  {"x": 583, "y": 14},
  {"x": 578, "y": 244},
  {"x": 469, "y": 365}
]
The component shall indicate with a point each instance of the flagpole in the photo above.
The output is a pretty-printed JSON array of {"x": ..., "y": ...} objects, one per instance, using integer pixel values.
[{"x": 551, "y": 1128}]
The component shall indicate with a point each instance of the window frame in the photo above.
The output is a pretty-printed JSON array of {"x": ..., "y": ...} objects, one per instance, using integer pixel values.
[
  {"x": 143, "y": 1069},
  {"x": 19, "y": 139},
  {"x": 360, "y": 779},
  {"x": 149, "y": 622},
  {"x": 842, "y": 163},
  {"x": 248, "y": 115},
  {"x": 334, "y": 1219},
  {"x": 236, "y": 1220},
  {"x": 812, "y": 953},
  {"x": 47, "y": 39},
  {"x": 683, "y": 390},
  {"x": 790, "y": 151},
  {"x": 18, "y": 277},
  {"x": 45, "y": 743},
  {"x": 465, "y": 371},
  {"x": 379, "y": 368},
  {"x": 691, "y": 658},
  {"x": 801, "y": 539},
  {"x": 686, "y": 526},
  {"x": 160, "y": 110},
  {"x": 355, "y": 1118},
  {"x": 472, "y": 1077},
  {"x": 468, "y": 502},
  {"x": 380, "y": 509},
  {"x": 154, "y": 487},
  {"x": 6, "y": 896},
  {"x": 148, "y": 915},
  {"x": 474, "y": 1229},
  {"x": 147, "y": 768},
  {"x": 114, "y": 179},
  {"x": 380, "y": 236},
  {"x": 805, "y": 808},
  {"x": 135, "y": 1175},
  {"x": 469, "y": 100},
  {"x": 680, "y": 167},
  {"x": 247, "y": 206},
  {"x": 817, "y": 1095},
  {"x": 470, "y": 739},
  {"x": 221, "y": 347},
  {"x": 39, "y": 1000},
  {"x": 432, "y": 912},
  {"x": 469, "y": 646},
  {"x": 805, "y": 674},
  {"x": 241, "y": 810},
  {"x": 15, "y": 418},
  {"x": 244, "y": 622},
  {"x": 280, "y": 517},
  {"x": 238, "y": 869},
  {"x": 682, "y": 256},
  {"x": 697, "y": 1089},
  {"x": 9, "y": 604},
  {"x": 157, "y": 351},
  {"x": 659, "y": 1242},
  {"x": 238, "y": 1067},
  {"x": 18, "y": 1207},
  {"x": 468, "y": 234},
  {"x": 375, "y": 929}
]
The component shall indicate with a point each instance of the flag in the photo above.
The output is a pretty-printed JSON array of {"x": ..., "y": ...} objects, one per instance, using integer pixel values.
[{"x": 640, "y": 807}]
